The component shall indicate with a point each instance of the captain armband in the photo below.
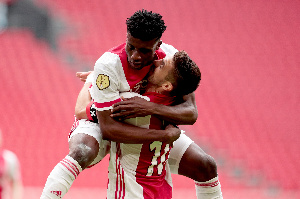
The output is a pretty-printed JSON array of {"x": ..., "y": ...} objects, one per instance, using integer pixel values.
[{"x": 91, "y": 112}]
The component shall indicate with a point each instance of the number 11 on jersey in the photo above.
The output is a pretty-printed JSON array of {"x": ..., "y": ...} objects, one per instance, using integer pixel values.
[{"x": 157, "y": 147}]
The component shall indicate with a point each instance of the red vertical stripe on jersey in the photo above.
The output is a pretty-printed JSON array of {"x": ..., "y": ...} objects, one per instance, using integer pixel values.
[
  {"x": 117, "y": 172},
  {"x": 123, "y": 183},
  {"x": 120, "y": 181}
]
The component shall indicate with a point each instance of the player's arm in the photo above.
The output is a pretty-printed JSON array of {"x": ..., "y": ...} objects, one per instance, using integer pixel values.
[
  {"x": 117, "y": 131},
  {"x": 84, "y": 108},
  {"x": 184, "y": 113},
  {"x": 83, "y": 75},
  {"x": 83, "y": 100},
  {"x": 106, "y": 84}
]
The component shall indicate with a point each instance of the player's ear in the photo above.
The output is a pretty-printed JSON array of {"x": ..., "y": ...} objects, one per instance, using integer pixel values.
[
  {"x": 158, "y": 45},
  {"x": 167, "y": 86}
]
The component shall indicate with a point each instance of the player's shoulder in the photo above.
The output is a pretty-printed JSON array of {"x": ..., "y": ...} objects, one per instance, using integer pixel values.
[
  {"x": 108, "y": 58},
  {"x": 112, "y": 56},
  {"x": 168, "y": 49}
]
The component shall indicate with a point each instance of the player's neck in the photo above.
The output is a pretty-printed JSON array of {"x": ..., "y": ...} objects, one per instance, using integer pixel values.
[{"x": 155, "y": 89}]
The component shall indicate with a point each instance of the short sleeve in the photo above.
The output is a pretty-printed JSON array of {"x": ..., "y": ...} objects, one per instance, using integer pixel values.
[
  {"x": 89, "y": 78},
  {"x": 106, "y": 81}
]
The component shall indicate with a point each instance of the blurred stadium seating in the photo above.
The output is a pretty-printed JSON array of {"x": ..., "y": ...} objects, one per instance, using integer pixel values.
[{"x": 248, "y": 101}]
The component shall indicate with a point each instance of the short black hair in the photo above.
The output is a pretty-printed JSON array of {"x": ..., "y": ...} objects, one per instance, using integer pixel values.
[
  {"x": 145, "y": 25},
  {"x": 186, "y": 75}
]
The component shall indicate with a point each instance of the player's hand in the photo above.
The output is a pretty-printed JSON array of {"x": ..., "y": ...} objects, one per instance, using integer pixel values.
[
  {"x": 173, "y": 133},
  {"x": 132, "y": 107},
  {"x": 83, "y": 75}
]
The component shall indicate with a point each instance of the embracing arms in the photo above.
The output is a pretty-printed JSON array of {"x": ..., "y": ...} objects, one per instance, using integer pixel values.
[
  {"x": 118, "y": 131},
  {"x": 184, "y": 113},
  {"x": 126, "y": 133}
]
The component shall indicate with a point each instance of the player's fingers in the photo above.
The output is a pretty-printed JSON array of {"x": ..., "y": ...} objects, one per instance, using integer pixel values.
[
  {"x": 121, "y": 104},
  {"x": 123, "y": 115},
  {"x": 78, "y": 74},
  {"x": 85, "y": 74},
  {"x": 128, "y": 115},
  {"x": 120, "y": 108}
]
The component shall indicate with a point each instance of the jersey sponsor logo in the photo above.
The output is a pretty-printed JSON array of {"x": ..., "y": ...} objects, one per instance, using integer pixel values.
[
  {"x": 140, "y": 87},
  {"x": 102, "y": 81}
]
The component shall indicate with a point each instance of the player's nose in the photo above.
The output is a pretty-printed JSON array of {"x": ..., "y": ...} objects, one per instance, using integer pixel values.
[{"x": 135, "y": 56}]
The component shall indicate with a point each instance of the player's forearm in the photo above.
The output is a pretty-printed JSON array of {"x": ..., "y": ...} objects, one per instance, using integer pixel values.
[
  {"x": 184, "y": 113},
  {"x": 83, "y": 99},
  {"x": 81, "y": 114},
  {"x": 125, "y": 133},
  {"x": 134, "y": 136},
  {"x": 176, "y": 114}
]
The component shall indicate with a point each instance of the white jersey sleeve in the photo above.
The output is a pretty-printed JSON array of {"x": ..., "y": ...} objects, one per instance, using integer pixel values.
[
  {"x": 89, "y": 78},
  {"x": 108, "y": 81}
]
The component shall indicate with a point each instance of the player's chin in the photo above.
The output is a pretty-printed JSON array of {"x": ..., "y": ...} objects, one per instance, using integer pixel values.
[{"x": 136, "y": 66}]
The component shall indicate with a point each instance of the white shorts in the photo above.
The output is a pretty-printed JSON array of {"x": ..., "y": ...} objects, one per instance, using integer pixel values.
[
  {"x": 92, "y": 129},
  {"x": 179, "y": 148}
]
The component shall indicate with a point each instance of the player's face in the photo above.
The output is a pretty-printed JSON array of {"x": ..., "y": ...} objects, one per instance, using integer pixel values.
[
  {"x": 140, "y": 53},
  {"x": 162, "y": 69}
]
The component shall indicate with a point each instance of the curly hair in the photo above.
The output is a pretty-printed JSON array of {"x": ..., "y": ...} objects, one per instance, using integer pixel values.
[
  {"x": 186, "y": 75},
  {"x": 145, "y": 25}
]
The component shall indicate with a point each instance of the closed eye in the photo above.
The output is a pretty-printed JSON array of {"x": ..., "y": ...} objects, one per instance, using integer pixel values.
[
  {"x": 131, "y": 47},
  {"x": 162, "y": 64},
  {"x": 144, "y": 50}
]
